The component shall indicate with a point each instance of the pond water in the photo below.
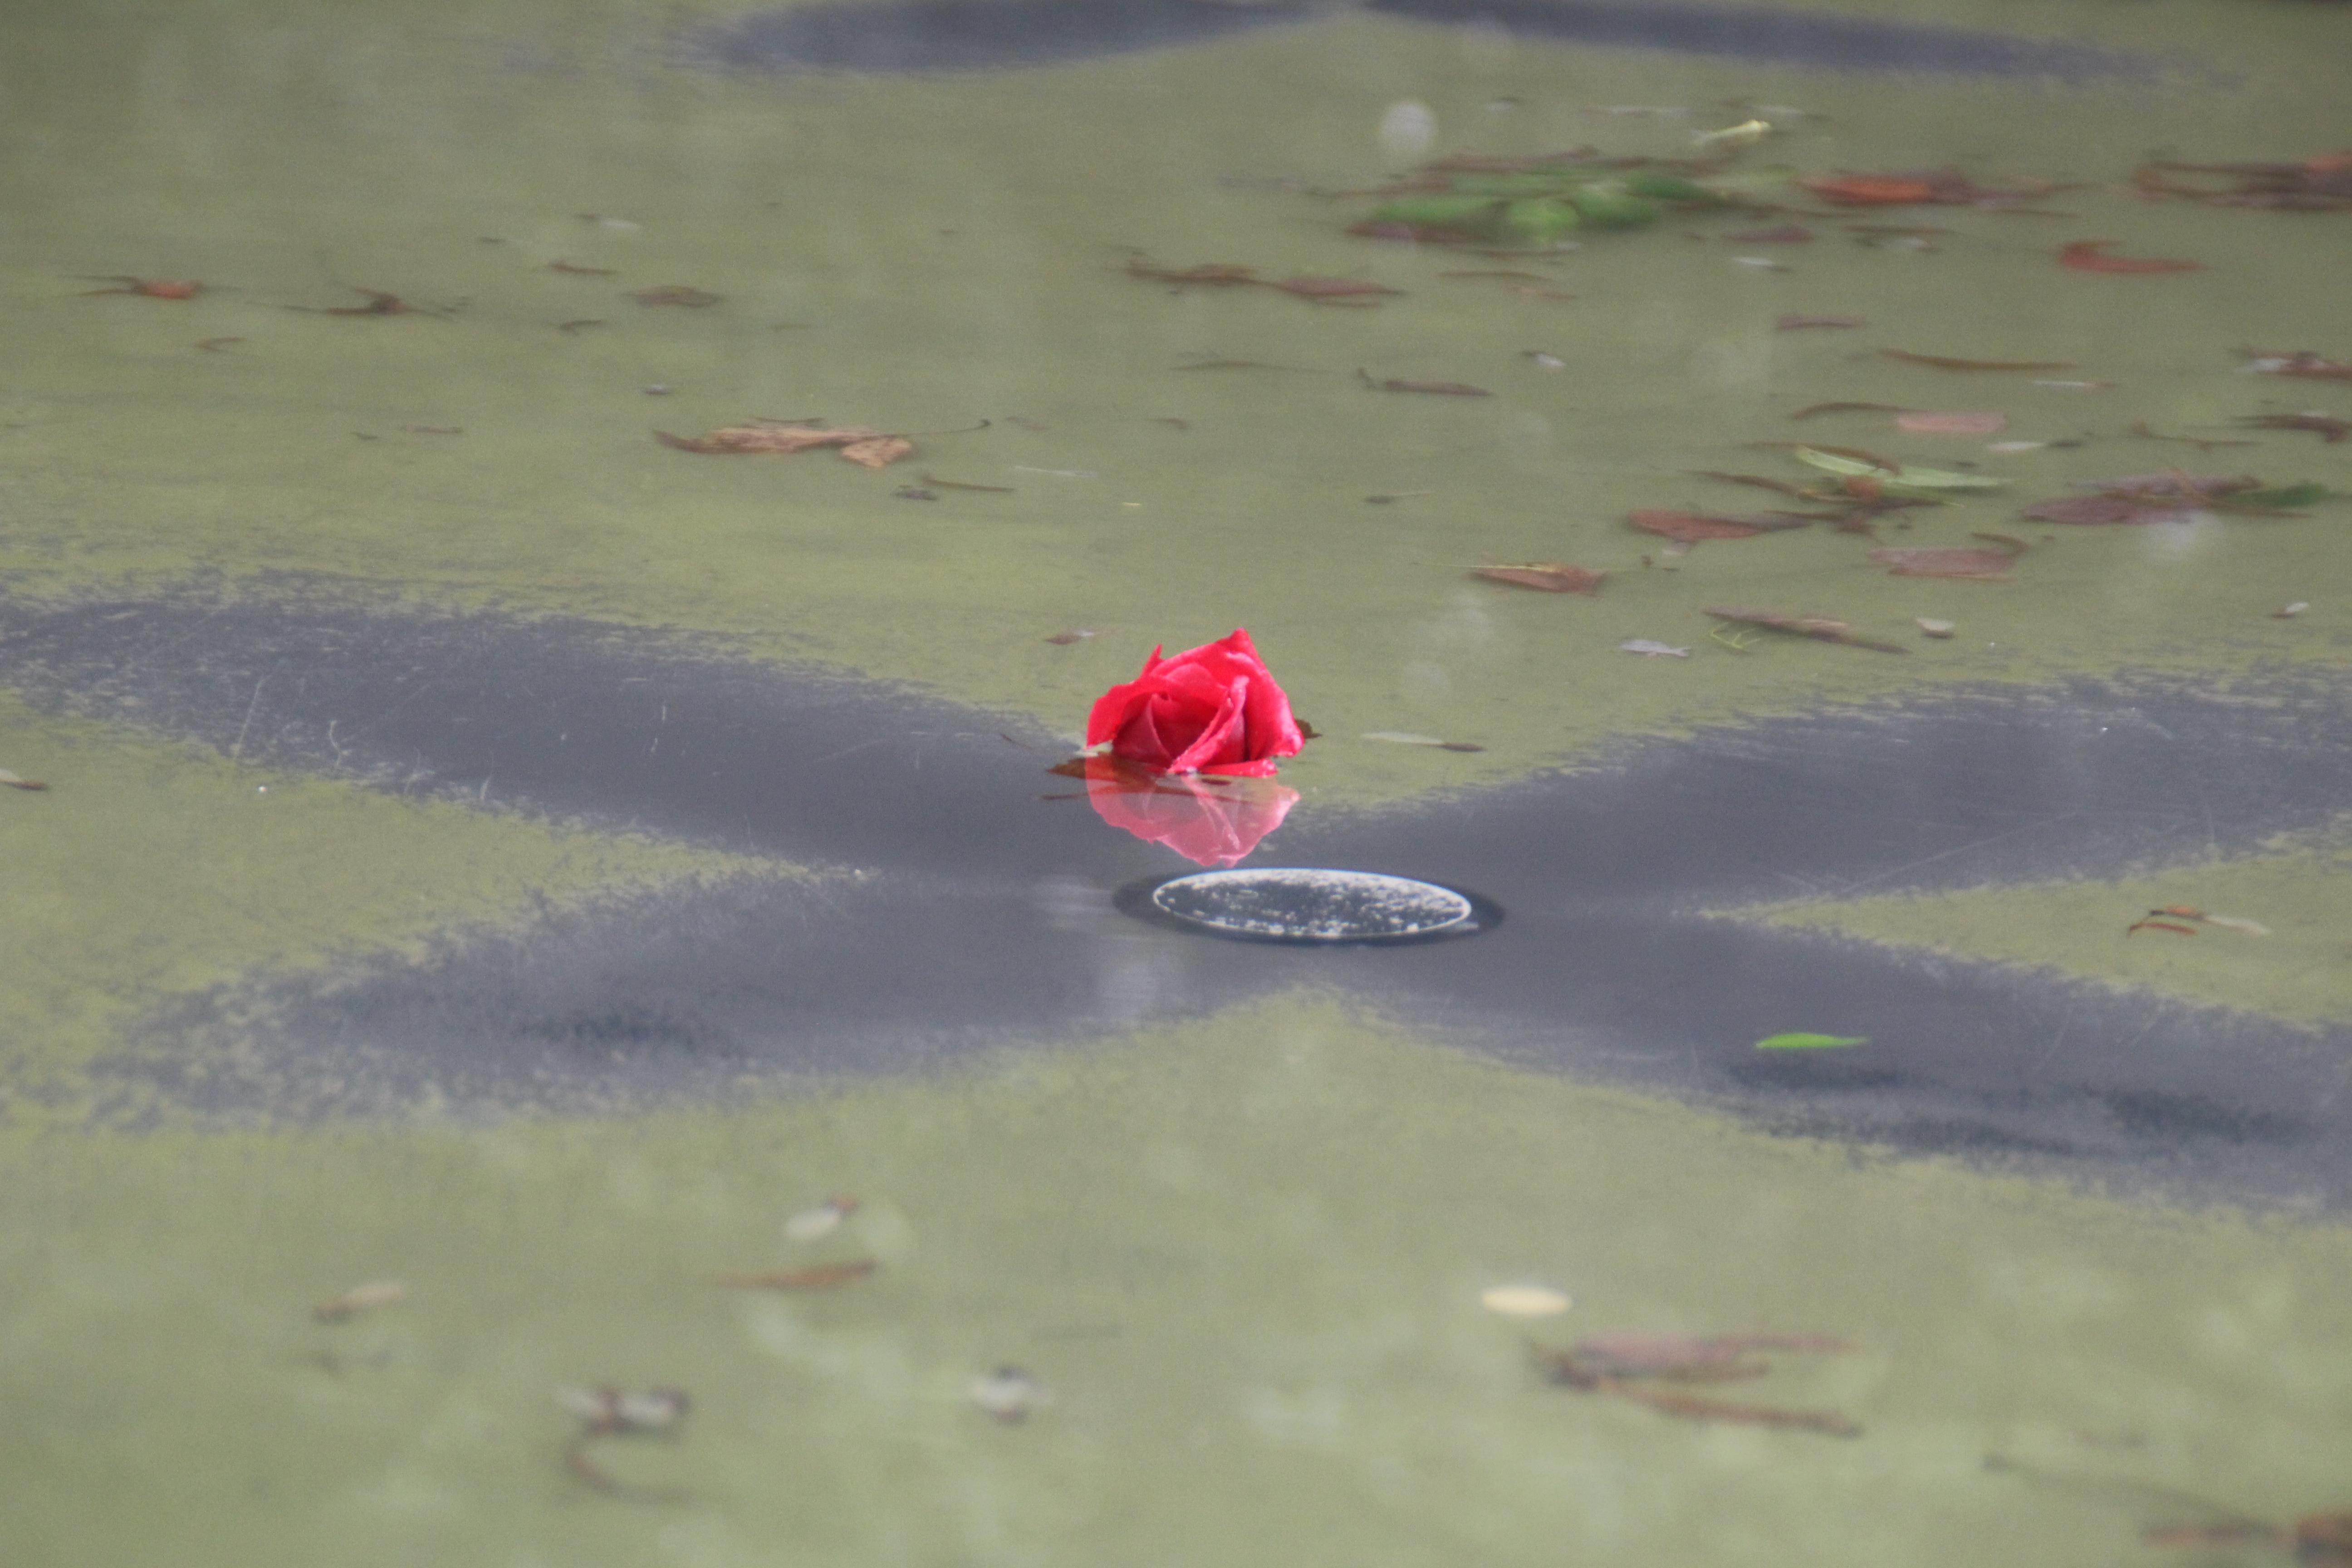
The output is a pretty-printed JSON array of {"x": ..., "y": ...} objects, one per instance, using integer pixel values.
[{"x": 519, "y": 909}]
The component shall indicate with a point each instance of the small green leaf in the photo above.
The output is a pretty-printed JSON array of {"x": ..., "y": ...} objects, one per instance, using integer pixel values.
[
  {"x": 1920, "y": 478},
  {"x": 2305, "y": 494},
  {"x": 1804, "y": 1042}
]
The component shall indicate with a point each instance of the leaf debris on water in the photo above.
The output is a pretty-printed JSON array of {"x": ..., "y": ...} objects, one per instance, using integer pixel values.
[
  {"x": 1800, "y": 1040},
  {"x": 359, "y": 1299},
  {"x": 1064, "y": 639},
  {"x": 867, "y": 448},
  {"x": 1946, "y": 361},
  {"x": 1925, "y": 423},
  {"x": 1549, "y": 577},
  {"x": 1798, "y": 323},
  {"x": 1650, "y": 647},
  {"x": 693, "y": 299},
  {"x": 2091, "y": 256},
  {"x": 1691, "y": 527},
  {"x": 17, "y": 781},
  {"x": 1982, "y": 565},
  {"x": 2302, "y": 362},
  {"x": 1441, "y": 389},
  {"x": 1820, "y": 629},
  {"x": 2329, "y": 428}
]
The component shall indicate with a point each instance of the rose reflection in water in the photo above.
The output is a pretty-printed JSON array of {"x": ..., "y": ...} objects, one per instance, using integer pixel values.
[{"x": 1208, "y": 819}]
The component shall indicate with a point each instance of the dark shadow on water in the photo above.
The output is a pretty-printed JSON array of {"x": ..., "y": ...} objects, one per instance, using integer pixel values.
[
  {"x": 919, "y": 35},
  {"x": 956, "y": 908}
]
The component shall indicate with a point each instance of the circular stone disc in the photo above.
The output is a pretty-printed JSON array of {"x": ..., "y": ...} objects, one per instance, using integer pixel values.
[{"x": 1304, "y": 904}]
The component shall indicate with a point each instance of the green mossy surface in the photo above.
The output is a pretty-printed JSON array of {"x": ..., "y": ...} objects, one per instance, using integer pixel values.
[
  {"x": 1244, "y": 1255},
  {"x": 2297, "y": 969}
]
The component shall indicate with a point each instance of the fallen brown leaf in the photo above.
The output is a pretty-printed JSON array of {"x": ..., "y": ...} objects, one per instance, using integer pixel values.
[
  {"x": 1820, "y": 627},
  {"x": 1441, "y": 388},
  {"x": 1690, "y": 527},
  {"x": 1929, "y": 423},
  {"x": 1945, "y": 361},
  {"x": 1551, "y": 576},
  {"x": 1982, "y": 565},
  {"x": 880, "y": 452},
  {"x": 869, "y": 449}
]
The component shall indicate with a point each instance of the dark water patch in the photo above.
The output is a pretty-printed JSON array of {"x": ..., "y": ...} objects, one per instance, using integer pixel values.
[
  {"x": 980, "y": 34},
  {"x": 958, "y": 909},
  {"x": 972, "y": 34}
]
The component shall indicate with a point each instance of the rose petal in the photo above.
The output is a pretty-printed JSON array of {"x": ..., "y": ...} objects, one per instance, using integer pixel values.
[{"x": 1218, "y": 742}]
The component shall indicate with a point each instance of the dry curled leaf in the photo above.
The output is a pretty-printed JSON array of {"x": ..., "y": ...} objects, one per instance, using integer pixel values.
[
  {"x": 880, "y": 452},
  {"x": 14, "y": 781},
  {"x": 1551, "y": 576},
  {"x": 869, "y": 449}
]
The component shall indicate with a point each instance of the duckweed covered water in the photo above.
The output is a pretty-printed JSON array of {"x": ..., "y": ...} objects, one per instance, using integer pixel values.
[{"x": 1246, "y": 1252}]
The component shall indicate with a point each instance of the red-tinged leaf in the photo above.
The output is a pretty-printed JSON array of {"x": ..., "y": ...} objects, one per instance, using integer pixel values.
[
  {"x": 2089, "y": 255},
  {"x": 1981, "y": 566},
  {"x": 1213, "y": 273},
  {"x": 1551, "y": 576},
  {"x": 1871, "y": 190},
  {"x": 1690, "y": 527}
]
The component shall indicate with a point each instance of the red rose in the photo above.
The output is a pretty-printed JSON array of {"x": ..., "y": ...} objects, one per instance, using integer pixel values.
[
  {"x": 1209, "y": 821},
  {"x": 1214, "y": 708}
]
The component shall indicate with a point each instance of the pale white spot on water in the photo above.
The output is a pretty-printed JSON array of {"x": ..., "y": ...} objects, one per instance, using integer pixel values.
[
  {"x": 1407, "y": 128},
  {"x": 1010, "y": 1395},
  {"x": 2192, "y": 536},
  {"x": 814, "y": 1224},
  {"x": 1525, "y": 1301}
]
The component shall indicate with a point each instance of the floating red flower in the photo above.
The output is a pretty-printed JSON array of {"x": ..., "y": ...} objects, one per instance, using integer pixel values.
[{"x": 1215, "y": 709}]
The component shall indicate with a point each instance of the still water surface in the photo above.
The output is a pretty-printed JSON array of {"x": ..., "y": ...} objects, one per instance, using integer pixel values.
[{"x": 489, "y": 850}]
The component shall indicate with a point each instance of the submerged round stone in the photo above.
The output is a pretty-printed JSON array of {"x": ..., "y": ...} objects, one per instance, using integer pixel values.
[{"x": 1306, "y": 904}]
